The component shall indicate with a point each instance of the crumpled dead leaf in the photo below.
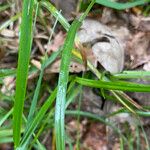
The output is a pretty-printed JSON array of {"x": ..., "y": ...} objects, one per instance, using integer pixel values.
[
  {"x": 8, "y": 86},
  {"x": 106, "y": 48},
  {"x": 56, "y": 43},
  {"x": 8, "y": 33}
]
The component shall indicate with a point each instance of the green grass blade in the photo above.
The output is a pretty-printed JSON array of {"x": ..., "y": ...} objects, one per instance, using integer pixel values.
[
  {"x": 33, "y": 134},
  {"x": 137, "y": 138},
  {"x": 5, "y": 133},
  {"x": 45, "y": 62},
  {"x": 38, "y": 118},
  {"x": 120, "y": 6},
  {"x": 22, "y": 69},
  {"x": 133, "y": 74},
  {"x": 37, "y": 90},
  {"x": 87, "y": 11},
  {"x": 62, "y": 85},
  {"x": 118, "y": 85},
  {"x": 2, "y": 120},
  {"x": 123, "y": 110},
  {"x": 121, "y": 144},
  {"x": 145, "y": 136},
  {"x": 7, "y": 72},
  {"x": 48, "y": 119},
  {"x": 55, "y": 13},
  {"x": 95, "y": 117},
  {"x": 63, "y": 80},
  {"x": 142, "y": 113},
  {"x": 6, "y": 140},
  {"x": 123, "y": 102},
  {"x": 74, "y": 92},
  {"x": 35, "y": 98}
]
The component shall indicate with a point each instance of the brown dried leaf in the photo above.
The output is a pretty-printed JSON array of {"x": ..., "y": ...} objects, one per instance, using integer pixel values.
[
  {"x": 40, "y": 46},
  {"x": 8, "y": 33},
  {"x": 8, "y": 86},
  {"x": 57, "y": 42},
  {"x": 105, "y": 46},
  {"x": 36, "y": 63}
]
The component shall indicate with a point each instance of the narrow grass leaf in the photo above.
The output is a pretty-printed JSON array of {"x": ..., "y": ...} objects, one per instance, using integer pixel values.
[
  {"x": 137, "y": 132},
  {"x": 35, "y": 98},
  {"x": 5, "y": 133},
  {"x": 38, "y": 118},
  {"x": 7, "y": 72},
  {"x": 74, "y": 92},
  {"x": 22, "y": 69},
  {"x": 6, "y": 140},
  {"x": 121, "y": 144},
  {"x": 120, "y": 6},
  {"x": 123, "y": 110},
  {"x": 37, "y": 141},
  {"x": 48, "y": 119},
  {"x": 63, "y": 80},
  {"x": 133, "y": 74},
  {"x": 62, "y": 85},
  {"x": 129, "y": 100},
  {"x": 37, "y": 90},
  {"x": 120, "y": 85},
  {"x": 95, "y": 117},
  {"x": 123, "y": 102},
  {"x": 145, "y": 136},
  {"x": 55, "y": 13},
  {"x": 2, "y": 120},
  {"x": 51, "y": 59},
  {"x": 87, "y": 11}
]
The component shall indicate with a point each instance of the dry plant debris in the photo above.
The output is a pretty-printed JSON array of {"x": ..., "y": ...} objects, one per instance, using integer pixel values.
[{"x": 106, "y": 48}]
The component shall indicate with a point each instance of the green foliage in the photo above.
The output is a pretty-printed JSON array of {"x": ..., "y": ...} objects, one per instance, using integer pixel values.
[
  {"x": 114, "y": 85},
  {"x": 121, "y": 6},
  {"x": 62, "y": 85},
  {"x": 22, "y": 69}
]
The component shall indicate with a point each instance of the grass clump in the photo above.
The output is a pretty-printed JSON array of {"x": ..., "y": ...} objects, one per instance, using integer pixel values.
[{"x": 28, "y": 125}]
